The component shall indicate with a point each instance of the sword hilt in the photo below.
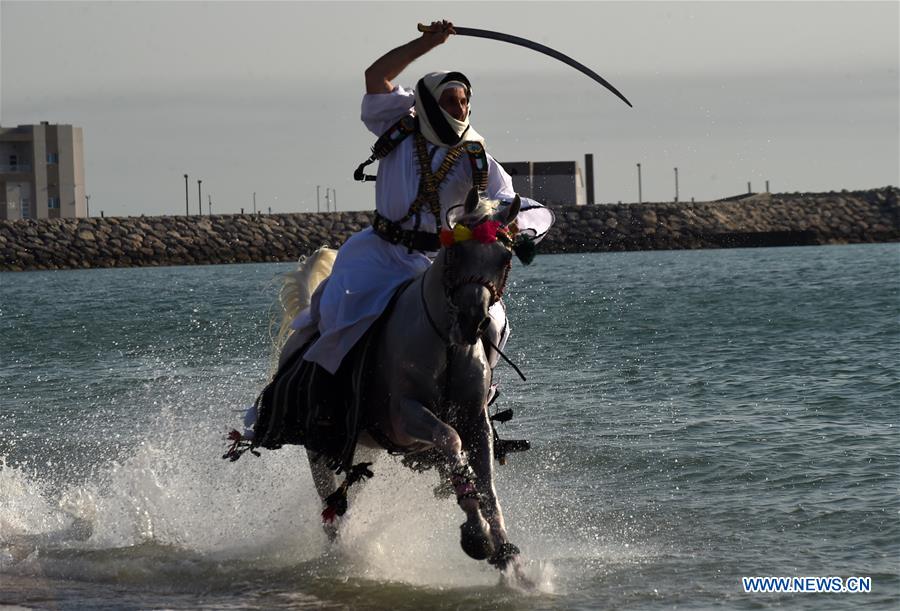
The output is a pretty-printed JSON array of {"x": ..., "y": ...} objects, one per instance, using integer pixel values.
[{"x": 427, "y": 29}]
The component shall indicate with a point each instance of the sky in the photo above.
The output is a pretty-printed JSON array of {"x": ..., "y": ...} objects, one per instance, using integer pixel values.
[{"x": 265, "y": 97}]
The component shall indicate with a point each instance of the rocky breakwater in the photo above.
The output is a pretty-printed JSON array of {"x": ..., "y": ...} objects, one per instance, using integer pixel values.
[
  {"x": 170, "y": 240},
  {"x": 762, "y": 219},
  {"x": 757, "y": 220}
]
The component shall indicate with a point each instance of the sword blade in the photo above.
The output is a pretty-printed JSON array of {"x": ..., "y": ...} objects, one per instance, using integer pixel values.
[{"x": 536, "y": 46}]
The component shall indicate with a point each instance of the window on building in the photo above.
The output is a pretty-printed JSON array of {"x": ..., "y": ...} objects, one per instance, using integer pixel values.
[
  {"x": 52, "y": 157},
  {"x": 26, "y": 208},
  {"x": 53, "y": 203}
]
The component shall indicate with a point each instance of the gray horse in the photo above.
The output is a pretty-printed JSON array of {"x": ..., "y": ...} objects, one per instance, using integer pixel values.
[{"x": 429, "y": 379}]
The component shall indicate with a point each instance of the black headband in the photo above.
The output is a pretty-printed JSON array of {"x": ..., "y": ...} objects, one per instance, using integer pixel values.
[{"x": 458, "y": 76}]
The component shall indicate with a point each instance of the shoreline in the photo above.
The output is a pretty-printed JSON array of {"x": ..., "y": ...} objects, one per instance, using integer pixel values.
[{"x": 754, "y": 220}]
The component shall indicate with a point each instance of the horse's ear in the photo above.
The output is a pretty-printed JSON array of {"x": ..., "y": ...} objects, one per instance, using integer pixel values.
[
  {"x": 471, "y": 200},
  {"x": 513, "y": 211}
]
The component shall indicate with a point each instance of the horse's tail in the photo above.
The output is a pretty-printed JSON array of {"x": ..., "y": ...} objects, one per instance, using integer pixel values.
[{"x": 296, "y": 292}]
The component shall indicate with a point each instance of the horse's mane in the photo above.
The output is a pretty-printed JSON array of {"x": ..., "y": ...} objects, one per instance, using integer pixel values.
[
  {"x": 485, "y": 209},
  {"x": 295, "y": 295}
]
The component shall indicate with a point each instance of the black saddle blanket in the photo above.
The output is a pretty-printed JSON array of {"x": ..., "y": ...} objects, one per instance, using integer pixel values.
[{"x": 306, "y": 405}]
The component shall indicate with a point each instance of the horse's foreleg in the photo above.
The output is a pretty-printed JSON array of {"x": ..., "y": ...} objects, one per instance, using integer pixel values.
[
  {"x": 413, "y": 422},
  {"x": 479, "y": 441}
]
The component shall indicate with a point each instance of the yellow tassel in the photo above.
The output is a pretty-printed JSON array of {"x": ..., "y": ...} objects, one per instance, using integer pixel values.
[{"x": 461, "y": 233}]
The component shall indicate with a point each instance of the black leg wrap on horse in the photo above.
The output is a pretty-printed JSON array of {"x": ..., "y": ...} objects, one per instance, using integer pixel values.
[
  {"x": 504, "y": 554},
  {"x": 462, "y": 478}
]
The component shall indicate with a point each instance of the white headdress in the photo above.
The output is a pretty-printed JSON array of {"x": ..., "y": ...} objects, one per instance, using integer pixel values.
[{"x": 435, "y": 123}]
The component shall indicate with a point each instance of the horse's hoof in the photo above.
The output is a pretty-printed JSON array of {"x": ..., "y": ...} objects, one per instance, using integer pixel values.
[
  {"x": 475, "y": 539},
  {"x": 503, "y": 555}
]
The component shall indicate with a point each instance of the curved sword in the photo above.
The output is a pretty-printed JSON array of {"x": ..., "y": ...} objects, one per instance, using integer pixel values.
[{"x": 536, "y": 46}]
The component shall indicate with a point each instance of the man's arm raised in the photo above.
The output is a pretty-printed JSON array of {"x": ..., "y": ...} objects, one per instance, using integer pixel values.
[{"x": 391, "y": 64}]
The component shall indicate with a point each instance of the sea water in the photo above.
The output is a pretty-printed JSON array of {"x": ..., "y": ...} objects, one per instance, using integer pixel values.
[{"x": 695, "y": 417}]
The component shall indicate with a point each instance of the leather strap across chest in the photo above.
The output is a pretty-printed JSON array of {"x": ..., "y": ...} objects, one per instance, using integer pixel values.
[{"x": 428, "y": 194}]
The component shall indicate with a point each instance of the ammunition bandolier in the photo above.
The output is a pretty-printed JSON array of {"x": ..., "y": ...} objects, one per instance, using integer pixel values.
[{"x": 428, "y": 196}]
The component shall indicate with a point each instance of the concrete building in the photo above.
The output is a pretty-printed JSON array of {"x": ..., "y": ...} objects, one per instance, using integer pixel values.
[
  {"x": 549, "y": 182},
  {"x": 41, "y": 172}
]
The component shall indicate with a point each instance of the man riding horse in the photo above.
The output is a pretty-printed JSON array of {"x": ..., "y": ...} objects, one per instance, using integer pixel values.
[
  {"x": 432, "y": 166},
  {"x": 425, "y": 175}
]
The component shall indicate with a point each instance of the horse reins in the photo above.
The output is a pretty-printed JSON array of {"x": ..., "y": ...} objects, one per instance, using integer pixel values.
[
  {"x": 451, "y": 283},
  {"x": 448, "y": 289}
]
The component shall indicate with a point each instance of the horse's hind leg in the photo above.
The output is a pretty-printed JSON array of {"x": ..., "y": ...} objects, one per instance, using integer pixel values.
[
  {"x": 415, "y": 423},
  {"x": 326, "y": 483}
]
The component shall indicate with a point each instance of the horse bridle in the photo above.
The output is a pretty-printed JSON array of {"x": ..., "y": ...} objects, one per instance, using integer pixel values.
[
  {"x": 449, "y": 287},
  {"x": 451, "y": 283}
]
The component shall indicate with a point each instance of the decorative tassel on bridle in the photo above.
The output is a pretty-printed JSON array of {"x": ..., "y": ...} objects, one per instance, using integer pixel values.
[
  {"x": 238, "y": 446},
  {"x": 336, "y": 502}
]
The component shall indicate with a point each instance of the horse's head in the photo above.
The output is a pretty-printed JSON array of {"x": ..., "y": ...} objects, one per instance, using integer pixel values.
[{"x": 476, "y": 256}]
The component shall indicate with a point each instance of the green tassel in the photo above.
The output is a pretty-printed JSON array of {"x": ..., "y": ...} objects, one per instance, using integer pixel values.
[{"x": 525, "y": 249}]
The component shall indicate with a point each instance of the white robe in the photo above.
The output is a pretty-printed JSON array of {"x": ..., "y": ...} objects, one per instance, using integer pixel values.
[{"x": 368, "y": 269}]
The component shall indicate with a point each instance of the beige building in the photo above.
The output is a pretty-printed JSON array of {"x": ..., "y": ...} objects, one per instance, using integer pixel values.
[
  {"x": 41, "y": 172},
  {"x": 549, "y": 182}
]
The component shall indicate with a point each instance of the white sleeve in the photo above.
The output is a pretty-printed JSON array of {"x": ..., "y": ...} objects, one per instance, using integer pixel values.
[
  {"x": 381, "y": 110},
  {"x": 534, "y": 218},
  {"x": 499, "y": 185}
]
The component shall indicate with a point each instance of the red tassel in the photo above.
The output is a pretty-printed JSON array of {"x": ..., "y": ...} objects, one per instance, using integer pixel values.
[
  {"x": 486, "y": 232},
  {"x": 447, "y": 238},
  {"x": 329, "y": 515}
]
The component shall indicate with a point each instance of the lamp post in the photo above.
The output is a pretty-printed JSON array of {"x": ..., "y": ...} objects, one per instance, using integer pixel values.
[
  {"x": 186, "y": 211},
  {"x": 640, "y": 200},
  {"x": 199, "y": 199},
  {"x": 87, "y": 200},
  {"x": 209, "y": 210},
  {"x": 676, "y": 185},
  {"x": 254, "y": 202},
  {"x": 318, "y": 193}
]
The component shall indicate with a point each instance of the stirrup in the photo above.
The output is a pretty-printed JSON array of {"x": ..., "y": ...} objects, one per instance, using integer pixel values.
[{"x": 502, "y": 447}]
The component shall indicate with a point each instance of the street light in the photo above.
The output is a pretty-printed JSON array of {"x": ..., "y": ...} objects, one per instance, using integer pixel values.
[
  {"x": 186, "y": 211},
  {"x": 209, "y": 210},
  {"x": 676, "y": 185},
  {"x": 87, "y": 199},
  {"x": 199, "y": 199},
  {"x": 640, "y": 200}
]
